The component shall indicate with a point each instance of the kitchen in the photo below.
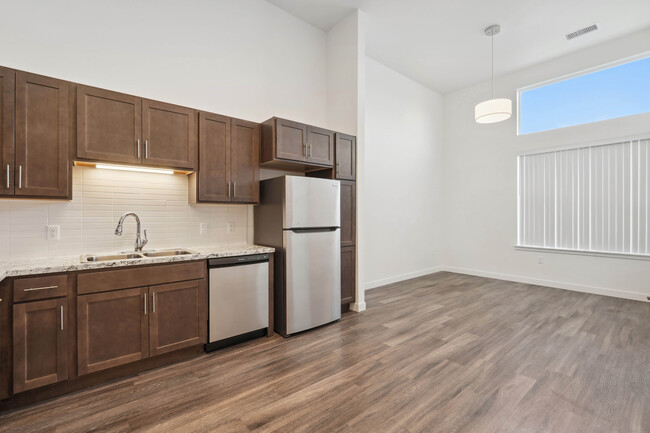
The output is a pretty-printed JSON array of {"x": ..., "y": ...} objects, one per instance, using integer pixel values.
[{"x": 179, "y": 276}]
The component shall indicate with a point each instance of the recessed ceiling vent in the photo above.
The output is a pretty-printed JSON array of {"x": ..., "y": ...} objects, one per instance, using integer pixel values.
[{"x": 573, "y": 35}]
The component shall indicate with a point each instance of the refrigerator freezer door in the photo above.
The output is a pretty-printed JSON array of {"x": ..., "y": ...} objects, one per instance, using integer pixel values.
[
  {"x": 313, "y": 278},
  {"x": 311, "y": 202}
]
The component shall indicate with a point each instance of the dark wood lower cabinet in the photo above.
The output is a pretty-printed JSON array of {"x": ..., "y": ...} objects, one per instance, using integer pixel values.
[
  {"x": 348, "y": 274},
  {"x": 177, "y": 316},
  {"x": 40, "y": 344},
  {"x": 112, "y": 329}
]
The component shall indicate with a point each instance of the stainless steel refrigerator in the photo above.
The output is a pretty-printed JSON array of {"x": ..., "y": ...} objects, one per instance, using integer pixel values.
[{"x": 300, "y": 217}]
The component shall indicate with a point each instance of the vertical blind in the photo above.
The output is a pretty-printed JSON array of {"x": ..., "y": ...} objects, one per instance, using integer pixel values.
[{"x": 587, "y": 199}]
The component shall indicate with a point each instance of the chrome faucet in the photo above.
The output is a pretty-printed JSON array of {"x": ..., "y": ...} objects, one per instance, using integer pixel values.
[{"x": 139, "y": 241}]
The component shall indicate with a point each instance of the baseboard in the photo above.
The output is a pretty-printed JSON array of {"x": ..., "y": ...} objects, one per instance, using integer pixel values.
[
  {"x": 397, "y": 278},
  {"x": 549, "y": 283},
  {"x": 358, "y": 306}
]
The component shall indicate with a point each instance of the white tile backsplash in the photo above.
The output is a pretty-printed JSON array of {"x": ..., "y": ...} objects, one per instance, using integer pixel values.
[{"x": 100, "y": 197}]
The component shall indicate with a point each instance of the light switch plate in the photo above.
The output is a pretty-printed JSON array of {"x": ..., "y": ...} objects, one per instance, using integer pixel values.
[
  {"x": 203, "y": 228},
  {"x": 230, "y": 227},
  {"x": 53, "y": 232}
]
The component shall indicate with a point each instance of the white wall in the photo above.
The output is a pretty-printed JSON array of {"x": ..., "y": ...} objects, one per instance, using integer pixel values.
[
  {"x": 342, "y": 74},
  {"x": 242, "y": 58},
  {"x": 480, "y": 183},
  {"x": 402, "y": 221}
]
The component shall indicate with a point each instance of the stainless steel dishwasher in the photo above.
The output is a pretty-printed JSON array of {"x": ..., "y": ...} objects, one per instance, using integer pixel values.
[{"x": 238, "y": 299}]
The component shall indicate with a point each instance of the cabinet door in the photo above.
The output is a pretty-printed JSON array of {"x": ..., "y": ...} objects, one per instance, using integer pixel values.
[
  {"x": 291, "y": 140},
  {"x": 178, "y": 316},
  {"x": 348, "y": 274},
  {"x": 214, "y": 154},
  {"x": 170, "y": 135},
  {"x": 348, "y": 213},
  {"x": 40, "y": 344},
  {"x": 320, "y": 146},
  {"x": 245, "y": 161},
  {"x": 109, "y": 126},
  {"x": 7, "y": 78},
  {"x": 345, "y": 156},
  {"x": 111, "y": 329},
  {"x": 42, "y": 159}
]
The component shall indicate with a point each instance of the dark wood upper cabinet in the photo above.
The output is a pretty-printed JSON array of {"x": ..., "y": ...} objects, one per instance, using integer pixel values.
[
  {"x": 119, "y": 128},
  {"x": 170, "y": 135},
  {"x": 348, "y": 213},
  {"x": 348, "y": 274},
  {"x": 42, "y": 115},
  {"x": 291, "y": 140},
  {"x": 244, "y": 161},
  {"x": 109, "y": 126},
  {"x": 210, "y": 184},
  {"x": 40, "y": 344},
  {"x": 345, "y": 155},
  {"x": 320, "y": 146},
  {"x": 228, "y": 161},
  {"x": 112, "y": 329},
  {"x": 178, "y": 316},
  {"x": 7, "y": 146},
  {"x": 291, "y": 145}
]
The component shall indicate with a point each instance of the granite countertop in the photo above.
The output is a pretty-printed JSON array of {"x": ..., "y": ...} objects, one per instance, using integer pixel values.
[{"x": 21, "y": 267}]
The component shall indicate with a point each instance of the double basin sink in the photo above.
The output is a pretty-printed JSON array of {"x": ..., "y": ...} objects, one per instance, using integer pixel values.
[{"x": 137, "y": 255}]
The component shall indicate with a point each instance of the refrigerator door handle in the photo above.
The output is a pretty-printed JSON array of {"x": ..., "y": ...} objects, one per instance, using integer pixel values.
[{"x": 314, "y": 229}]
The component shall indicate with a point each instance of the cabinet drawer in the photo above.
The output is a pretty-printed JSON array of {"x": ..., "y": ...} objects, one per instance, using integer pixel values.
[
  {"x": 31, "y": 289},
  {"x": 104, "y": 281}
]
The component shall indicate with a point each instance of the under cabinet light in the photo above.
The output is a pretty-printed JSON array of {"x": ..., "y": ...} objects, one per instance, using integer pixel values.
[{"x": 130, "y": 168}]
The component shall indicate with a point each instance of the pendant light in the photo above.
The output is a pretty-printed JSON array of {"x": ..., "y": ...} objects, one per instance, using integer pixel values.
[{"x": 496, "y": 109}]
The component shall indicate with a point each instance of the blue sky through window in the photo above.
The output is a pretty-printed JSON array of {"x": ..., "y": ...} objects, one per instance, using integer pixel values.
[{"x": 618, "y": 91}]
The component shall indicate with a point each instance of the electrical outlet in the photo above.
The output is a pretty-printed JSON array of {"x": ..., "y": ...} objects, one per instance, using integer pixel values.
[
  {"x": 53, "y": 233},
  {"x": 203, "y": 229},
  {"x": 540, "y": 260},
  {"x": 230, "y": 227}
]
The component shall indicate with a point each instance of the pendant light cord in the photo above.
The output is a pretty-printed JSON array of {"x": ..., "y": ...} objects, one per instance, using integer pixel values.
[{"x": 492, "y": 38}]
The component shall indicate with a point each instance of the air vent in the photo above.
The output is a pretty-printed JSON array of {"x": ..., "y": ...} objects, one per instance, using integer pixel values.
[{"x": 573, "y": 35}]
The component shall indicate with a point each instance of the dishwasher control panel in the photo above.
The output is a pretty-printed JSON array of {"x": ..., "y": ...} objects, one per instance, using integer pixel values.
[{"x": 229, "y": 261}]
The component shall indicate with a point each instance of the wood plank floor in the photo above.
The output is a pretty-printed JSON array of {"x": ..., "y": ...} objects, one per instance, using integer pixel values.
[{"x": 441, "y": 353}]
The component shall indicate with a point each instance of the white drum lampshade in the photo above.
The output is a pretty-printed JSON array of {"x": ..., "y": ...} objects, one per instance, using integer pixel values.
[{"x": 493, "y": 110}]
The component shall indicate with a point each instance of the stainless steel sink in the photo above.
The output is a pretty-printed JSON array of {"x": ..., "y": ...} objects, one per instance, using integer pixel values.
[
  {"x": 109, "y": 257},
  {"x": 137, "y": 255},
  {"x": 169, "y": 253}
]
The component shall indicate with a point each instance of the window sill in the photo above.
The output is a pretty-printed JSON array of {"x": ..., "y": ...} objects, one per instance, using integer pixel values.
[{"x": 584, "y": 253}]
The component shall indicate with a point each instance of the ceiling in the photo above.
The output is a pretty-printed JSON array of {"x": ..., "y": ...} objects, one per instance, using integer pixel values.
[{"x": 441, "y": 44}]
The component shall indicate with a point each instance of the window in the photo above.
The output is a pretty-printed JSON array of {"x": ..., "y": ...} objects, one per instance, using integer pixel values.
[
  {"x": 587, "y": 199},
  {"x": 604, "y": 94}
]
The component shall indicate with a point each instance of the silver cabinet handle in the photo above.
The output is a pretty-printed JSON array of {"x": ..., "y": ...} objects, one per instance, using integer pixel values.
[
  {"x": 138, "y": 148},
  {"x": 20, "y": 176},
  {"x": 153, "y": 303},
  {"x": 338, "y": 168},
  {"x": 304, "y": 146},
  {"x": 229, "y": 189},
  {"x": 145, "y": 304},
  {"x": 310, "y": 150},
  {"x": 61, "y": 317},
  {"x": 234, "y": 189},
  {"x": 146, "y": 149},
  {"x": 32, "y": 289},
  {"x": 8, "y": 173}
]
